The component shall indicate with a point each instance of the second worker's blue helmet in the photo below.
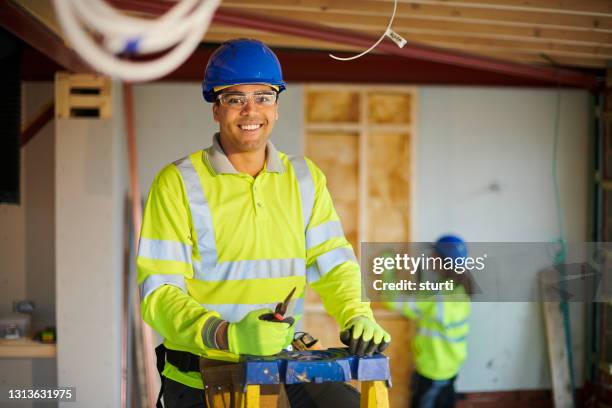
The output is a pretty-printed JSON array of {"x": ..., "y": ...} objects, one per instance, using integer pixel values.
[
  {"x": 241, "y": 61},
  {"x": 451, "y": 246}
]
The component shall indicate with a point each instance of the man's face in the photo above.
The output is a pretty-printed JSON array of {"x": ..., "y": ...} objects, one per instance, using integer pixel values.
[{"x": 248, "y": 128}]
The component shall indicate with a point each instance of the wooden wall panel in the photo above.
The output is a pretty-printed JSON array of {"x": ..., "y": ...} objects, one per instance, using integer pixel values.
[
  {"x": 400, "y": 356},
  {"x": 389, "y": 107},
  {"x": 361, "y": 138},
  {"x": 388, "y": 187},
  {"x": 332, "y": 107},
  {"x": 337, "y": 154}
]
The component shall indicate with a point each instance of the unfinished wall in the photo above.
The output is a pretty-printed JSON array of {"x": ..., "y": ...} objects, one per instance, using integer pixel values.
[
  {"x": 91, "y": 183},
  {"x": 40, "y": 226},
  {"x": 469, "y": 139},
  {"x": 27, "y": 243}
]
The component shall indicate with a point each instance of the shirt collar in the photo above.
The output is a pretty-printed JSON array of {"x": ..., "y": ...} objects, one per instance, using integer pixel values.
[{"x": 221, "y": 165}]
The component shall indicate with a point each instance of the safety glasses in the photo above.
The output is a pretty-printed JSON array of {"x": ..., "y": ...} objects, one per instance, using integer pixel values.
[{"x": 240, "y": 99}]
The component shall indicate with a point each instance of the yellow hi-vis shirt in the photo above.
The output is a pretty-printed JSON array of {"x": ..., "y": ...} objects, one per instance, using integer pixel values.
[
  {"x": 219, "y": 243},
  {"x": 440, "y": 344}
]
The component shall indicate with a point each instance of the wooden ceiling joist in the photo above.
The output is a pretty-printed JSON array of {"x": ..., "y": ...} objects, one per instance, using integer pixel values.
[
  {"x": 525, "y": 31},
  {"x": 449, "y": 28},
  {"x": 482, "y": 42},
  {"x": 443, "y": 11},
  {"x": 583, "y": 7}
]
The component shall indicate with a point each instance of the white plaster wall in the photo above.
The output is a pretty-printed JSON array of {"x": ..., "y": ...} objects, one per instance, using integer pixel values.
[
  {"x": 91, "y": 184},
  {"x": 469, "y": 138}
]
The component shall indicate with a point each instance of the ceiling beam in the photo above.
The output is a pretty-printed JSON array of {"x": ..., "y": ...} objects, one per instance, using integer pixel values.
[
  {"x": 457, "y": 59},
  {"x": 316, "y": 66},
  {"x": 450, "y": 28},
  {"x": 584, "y": 7},
  {"x": 314, "y": 31},
  {"x": 444, "y": 40},
  {"x": 280, "y": 41},
  {"x": 23, "y": 25},
  {"x": 439, "y": 12}
]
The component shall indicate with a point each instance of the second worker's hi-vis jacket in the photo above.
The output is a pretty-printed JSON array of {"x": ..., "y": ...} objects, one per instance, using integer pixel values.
[{"x": 216, "y": 242}]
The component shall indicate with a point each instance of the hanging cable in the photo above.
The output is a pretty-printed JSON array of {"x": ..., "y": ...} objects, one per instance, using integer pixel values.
[
  {"x": 388, "y": 33},
  {"x": 179, "y": 30}
]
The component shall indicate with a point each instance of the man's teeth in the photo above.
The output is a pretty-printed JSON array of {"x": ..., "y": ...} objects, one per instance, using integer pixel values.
[{"x": 249, "y": 127}]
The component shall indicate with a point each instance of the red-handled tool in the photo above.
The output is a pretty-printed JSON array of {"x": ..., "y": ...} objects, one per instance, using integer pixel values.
[{"x": 280, "y": 310}]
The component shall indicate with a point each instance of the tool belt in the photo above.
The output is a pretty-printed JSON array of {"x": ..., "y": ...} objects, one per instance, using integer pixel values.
[
  {"x": 222, "y": 380},
  {"x": 183, "y": 360}
]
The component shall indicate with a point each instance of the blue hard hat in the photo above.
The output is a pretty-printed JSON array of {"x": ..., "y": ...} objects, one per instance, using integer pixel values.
[
  {"x": 451, "y": 246},
  {"x": 241, "y": 61}
]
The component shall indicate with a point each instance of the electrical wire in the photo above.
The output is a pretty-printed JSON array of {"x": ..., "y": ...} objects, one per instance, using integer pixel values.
[
  {"x": 386, "y": 33},
  {"x": 179, "y": 30}
]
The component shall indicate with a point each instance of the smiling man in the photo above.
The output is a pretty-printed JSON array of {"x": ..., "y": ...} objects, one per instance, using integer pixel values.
[{"x": 230, "y": 230}]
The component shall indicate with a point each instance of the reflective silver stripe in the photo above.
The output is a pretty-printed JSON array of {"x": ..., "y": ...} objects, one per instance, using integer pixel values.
[
  {"x": 306, "y": 184},
  {"x": 164, "y": 250},
  {"x": 256, "y": 269},
  {"x": 200, "y": 214},
  {"x": 329, "y": 260},
  {"x": 414, "y": 306},
  {"x": 432, "y": 333},
  {"x": 322, "y": 232},
  {"x": 439, "y": 308},
  {"x": 235, "y": 312},
  {"x": 312, "y": 274},
  {"x": 155, "y": 281},
  {"x": 456, "y": 324},
  {"x": 440, "y": 314}
]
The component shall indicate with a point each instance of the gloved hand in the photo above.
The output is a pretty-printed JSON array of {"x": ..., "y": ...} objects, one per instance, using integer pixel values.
[
  {"x": 365, "y": 337},
  {"x": 251, "y": 335}
]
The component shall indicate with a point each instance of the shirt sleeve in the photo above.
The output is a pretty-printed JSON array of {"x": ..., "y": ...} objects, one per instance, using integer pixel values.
[
  {"x": 164, "y": 262},
  {"x": 333, "y": 271}
]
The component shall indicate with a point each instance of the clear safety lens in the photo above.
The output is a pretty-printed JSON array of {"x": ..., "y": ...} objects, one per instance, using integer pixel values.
[{"x": 240, "y": 99}]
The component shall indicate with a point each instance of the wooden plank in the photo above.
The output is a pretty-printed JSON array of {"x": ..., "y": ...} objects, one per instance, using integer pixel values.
[
  {"x": 401, "y": 358},
  {"x": 332, "y": 107},
  {"x": 82, "y": 91},
  {"x": 556, "y": 344},
  {"x": 389, "y": 187},
  {"x": 26, "y": 348},
  {"x": 330, "y": 151},
  {"x": 437, "y": 12},
  {"x": 585, "y": 7},
  {"x": 336, "y": 153},
  {"x": 535, "y": 59},
  {"x": 502, "y": 53},
  {"x": 479, "y": 41},
  {"x": 389, "y": 108},
  {"x": 409, "y": 24},
  {"x": 62, "y": 107}
]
